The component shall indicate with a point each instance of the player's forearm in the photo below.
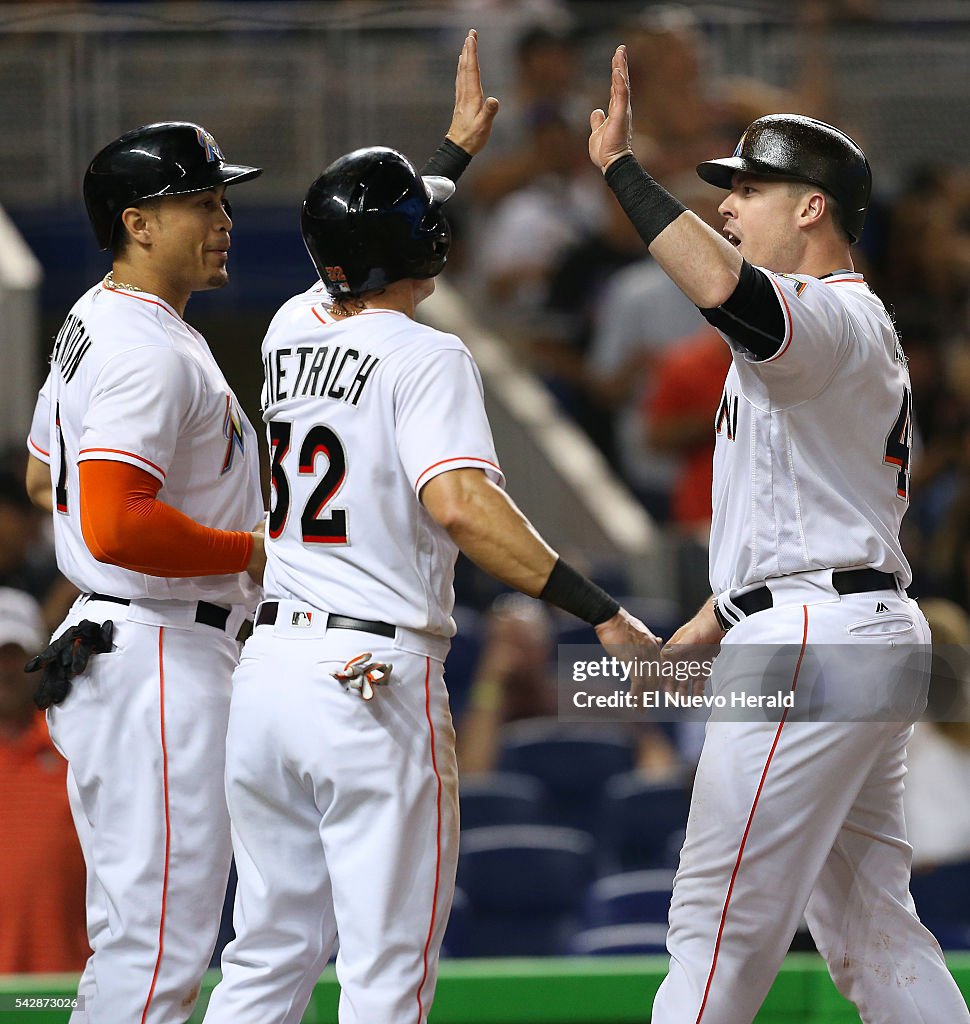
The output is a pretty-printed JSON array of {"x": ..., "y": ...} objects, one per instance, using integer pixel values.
[
  {"x": 488, "y": 527},
  {"x": 124, "y": 524},
  {"x": 38, "y": 482},
  {"x": 702, "y": 263}
]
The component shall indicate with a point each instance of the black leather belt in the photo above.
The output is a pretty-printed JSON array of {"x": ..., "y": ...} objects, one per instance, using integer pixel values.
[
  {"x": 205, "y": 614},
  {"x": 845, "y": 581},
  {"x": 269, "y": 611}
]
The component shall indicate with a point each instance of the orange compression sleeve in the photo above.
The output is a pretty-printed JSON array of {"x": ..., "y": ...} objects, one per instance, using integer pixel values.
[{"x": 124, "y": 524}]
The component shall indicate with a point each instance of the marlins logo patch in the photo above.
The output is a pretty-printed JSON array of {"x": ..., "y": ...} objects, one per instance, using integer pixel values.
[
  {"x": 800, "y": 286},
  {"x": 233, "y": 432},
  {"x": 209, "y": 144}
]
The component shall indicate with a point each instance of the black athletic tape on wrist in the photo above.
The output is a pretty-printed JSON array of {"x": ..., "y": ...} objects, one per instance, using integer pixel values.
[
  {"x": 449, "y": 160},
  {"x": 573, "y": 592},
  {"x": 650, "y": 207}
]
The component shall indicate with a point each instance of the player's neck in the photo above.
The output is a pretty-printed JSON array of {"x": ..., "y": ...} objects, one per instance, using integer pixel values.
[
  {"x": 826, "y": 260},
  {"x": 400, "y": 297},
  {"x": 129, "y": 276}
]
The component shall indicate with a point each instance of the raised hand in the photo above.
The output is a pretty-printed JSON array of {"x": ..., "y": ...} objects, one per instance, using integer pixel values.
[
  {"x": 471, "y": 123},
  {"x": 611, "y": 135}
]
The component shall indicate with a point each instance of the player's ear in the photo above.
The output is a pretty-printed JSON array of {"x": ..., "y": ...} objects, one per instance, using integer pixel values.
[
  {"x": 813, "y": 207},
  {"x": 138, "y": 223}
]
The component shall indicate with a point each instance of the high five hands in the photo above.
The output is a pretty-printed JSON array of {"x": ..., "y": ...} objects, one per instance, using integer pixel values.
[
  {"x": 471, "y": 123},
  {"x": 611, "y": 134}
]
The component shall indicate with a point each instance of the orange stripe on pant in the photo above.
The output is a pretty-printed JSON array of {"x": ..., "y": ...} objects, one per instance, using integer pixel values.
[
  {"x": 168, "y": 823},
  {"x": 437, "y": 864},
  {"x": 747, "y": 827}
]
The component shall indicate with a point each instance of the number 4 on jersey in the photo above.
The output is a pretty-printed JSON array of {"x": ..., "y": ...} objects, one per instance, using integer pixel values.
[
  {"x": 315, "y": 528},
  {"x": 899, "y": 443}
]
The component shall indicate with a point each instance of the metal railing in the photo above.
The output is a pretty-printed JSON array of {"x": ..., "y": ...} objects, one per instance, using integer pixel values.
[{"x": 291, "y": 85}]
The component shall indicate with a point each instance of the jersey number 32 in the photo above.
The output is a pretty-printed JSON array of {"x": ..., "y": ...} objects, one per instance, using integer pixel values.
[{"x": 316, "y": 526}]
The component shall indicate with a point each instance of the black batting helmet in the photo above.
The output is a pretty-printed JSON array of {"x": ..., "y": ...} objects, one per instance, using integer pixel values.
[
  {"x": 801, "y": 148},
  {"x": 370, "y": 219},
  {"x": 170, "y": 158}
]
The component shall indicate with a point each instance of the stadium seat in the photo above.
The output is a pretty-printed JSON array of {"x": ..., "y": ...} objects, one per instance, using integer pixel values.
[
  {"x": 942, "y": 898},
  {"x": 572, "y": 761},
  {"x": 621, "y": 940},
  {"x": 462, "y": 658},
  {"x": 501, "y": 798},
  {"x": 524, "y": 885},
  {"x": 226, "y": 930},
  {"x": 638, "y": 819},
  {"x": 632, "y": 897}
]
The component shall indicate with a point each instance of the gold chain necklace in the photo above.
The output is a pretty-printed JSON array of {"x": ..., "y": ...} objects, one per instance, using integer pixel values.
[{"x": 110, "y": 282}]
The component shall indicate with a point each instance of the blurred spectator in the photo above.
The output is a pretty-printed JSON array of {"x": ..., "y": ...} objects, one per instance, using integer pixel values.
[
  {"x": 682, "y": 116},
  {"x": 526, "y": 234},
  {"x": 42, "y": 916},
  {"x": 930, "y": 245},
  {"x": 683, "y": 405},
  {"x": 941, "y": 538},
  {"x": 643, "y": 313},
  {"x": 25, "y": 563},
  {"x": 940, "y": 375},
  {"x": 938, "y": 756},
  {"x": 513, "y": 680},
  {"x": 560, "y": 349},
  {"x": 546, "y": 88}
]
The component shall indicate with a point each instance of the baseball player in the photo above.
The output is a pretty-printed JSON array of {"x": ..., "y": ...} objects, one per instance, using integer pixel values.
[
  {"x": 341, "y": 774},
  {"x": 811, "y": 480},
  {"x": 141, "y": 450}
]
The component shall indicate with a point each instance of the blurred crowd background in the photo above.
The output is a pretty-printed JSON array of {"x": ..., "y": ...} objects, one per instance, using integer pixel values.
[{"x": 570, "y": 833}]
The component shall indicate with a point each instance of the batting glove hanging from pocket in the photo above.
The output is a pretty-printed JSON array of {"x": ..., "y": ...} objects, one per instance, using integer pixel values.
[
  {"x": 66, "y": 658},
  {"x": 362, "y": 675}
]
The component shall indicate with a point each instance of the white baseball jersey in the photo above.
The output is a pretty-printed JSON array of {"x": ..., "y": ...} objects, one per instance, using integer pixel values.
[
  {"x": 811, "y": 462},
  {"x": 361, "y": 413},
  {"x": 131, "y": 382}
]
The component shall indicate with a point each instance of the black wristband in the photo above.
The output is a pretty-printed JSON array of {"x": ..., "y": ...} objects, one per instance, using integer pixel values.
[
  {"x": 573, "y": 592},
  {"x": 449, "y": 160},
  {"x": 647, "y": 203}
]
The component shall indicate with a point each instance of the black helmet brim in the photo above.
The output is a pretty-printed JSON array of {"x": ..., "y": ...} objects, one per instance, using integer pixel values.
[
  {"x": 440, "y": 189},
  {"x": 228, "y": 174}
]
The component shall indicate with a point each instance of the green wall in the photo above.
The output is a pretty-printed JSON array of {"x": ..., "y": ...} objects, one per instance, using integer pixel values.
[{"x": 579, "y": 990}]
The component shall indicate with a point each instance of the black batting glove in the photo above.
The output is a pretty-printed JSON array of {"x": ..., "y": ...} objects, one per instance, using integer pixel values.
[{"x": 66, "y": 658}]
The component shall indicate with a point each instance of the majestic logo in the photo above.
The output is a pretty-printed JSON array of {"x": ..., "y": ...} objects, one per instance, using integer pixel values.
[
  {"x": 880, "y": 607},
  {"x": 233, "y": 432},
  {"x": 209, "y": 144},
  {"x": 727, "y": 416},
  {"x": 302, "y": 620}
]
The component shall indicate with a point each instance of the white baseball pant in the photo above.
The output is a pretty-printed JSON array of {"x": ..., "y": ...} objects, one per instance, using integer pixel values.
[
  {"x": 806, "y": 817},
  {"x": 143, "y": 731},
  {"x": 345, "y": 824}
]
